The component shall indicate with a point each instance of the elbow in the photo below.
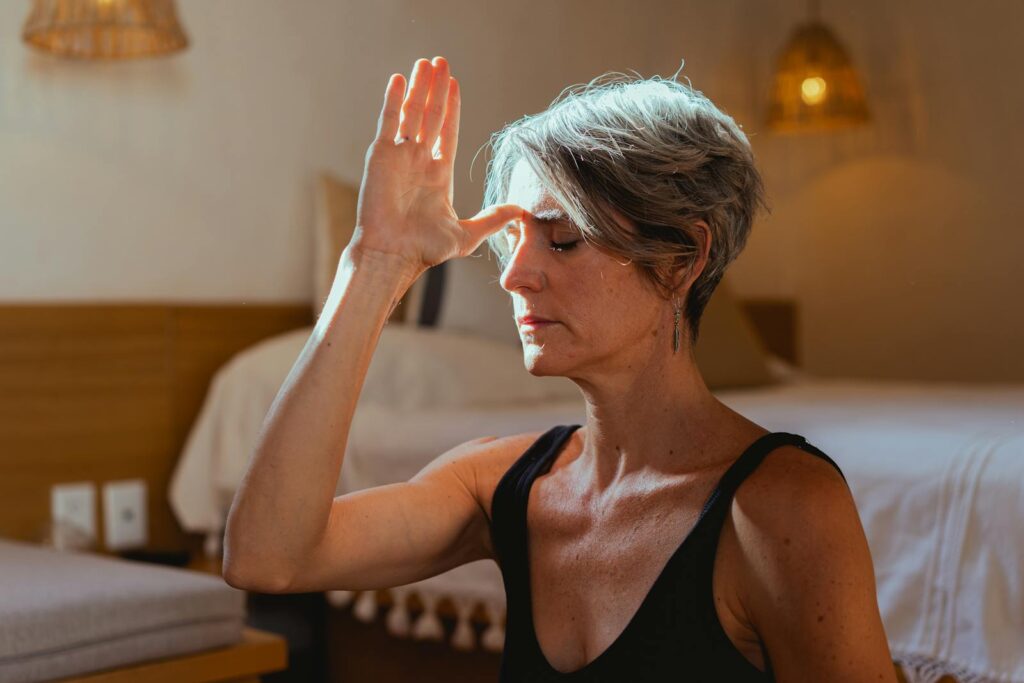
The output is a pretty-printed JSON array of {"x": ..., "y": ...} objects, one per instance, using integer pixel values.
[
  {"x": 251, "y": 571},
  {"x": 248, "y": 576}
]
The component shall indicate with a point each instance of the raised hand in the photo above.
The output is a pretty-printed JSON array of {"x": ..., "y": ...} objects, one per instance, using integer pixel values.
[{"x": 405, "y": 201}]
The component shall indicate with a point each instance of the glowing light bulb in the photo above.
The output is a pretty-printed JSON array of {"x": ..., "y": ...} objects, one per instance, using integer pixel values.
[{"x": 812, "y": 90}]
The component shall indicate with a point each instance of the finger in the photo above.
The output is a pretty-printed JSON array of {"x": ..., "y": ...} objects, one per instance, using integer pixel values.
[
  {"x": 450, "y": 132},
  {"x": 490, "y": 219},
  {"x": 387, "y": 123},
  {"x": 412, "y": 109},
  {"x": 433, "y": 114}
]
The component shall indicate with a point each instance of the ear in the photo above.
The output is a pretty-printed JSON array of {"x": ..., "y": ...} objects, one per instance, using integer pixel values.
[{"x": 684, "y": 279}]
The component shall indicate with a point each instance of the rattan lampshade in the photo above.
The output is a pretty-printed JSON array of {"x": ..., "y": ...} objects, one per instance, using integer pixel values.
[
  {"x": 104, "y": 29},
  {"x": 816, "y": 86}
]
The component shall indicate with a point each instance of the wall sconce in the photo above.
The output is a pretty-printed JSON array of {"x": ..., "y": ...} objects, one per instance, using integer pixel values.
[{"x": 816, "y": 86}]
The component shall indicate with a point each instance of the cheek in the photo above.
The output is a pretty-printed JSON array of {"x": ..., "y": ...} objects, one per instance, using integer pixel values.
[{"x": 631, "y": 302}]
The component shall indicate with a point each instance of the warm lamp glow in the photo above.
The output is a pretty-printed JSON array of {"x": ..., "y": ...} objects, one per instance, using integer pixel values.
[
  {"x": 813, "y": 90},
  {"x": 104, "y": 29},
  {"x": 816, "y": 86}
]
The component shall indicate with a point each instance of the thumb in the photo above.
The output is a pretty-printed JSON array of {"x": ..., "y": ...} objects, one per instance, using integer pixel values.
[{"x": 488, "y": 220}]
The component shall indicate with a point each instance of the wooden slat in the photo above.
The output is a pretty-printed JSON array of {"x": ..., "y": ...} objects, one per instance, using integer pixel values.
[{"x": 109, "y": 391}]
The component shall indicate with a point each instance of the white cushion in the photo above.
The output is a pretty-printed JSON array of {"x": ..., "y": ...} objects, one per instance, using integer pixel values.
[
  {"x": 417, "y": 368},
  {"x": 66, "y": 613}
]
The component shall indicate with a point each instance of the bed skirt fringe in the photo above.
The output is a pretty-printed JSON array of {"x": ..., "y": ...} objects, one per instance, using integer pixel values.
[
  {"x": 427, "y": 625},
  {"x": 923, "y": 669}
]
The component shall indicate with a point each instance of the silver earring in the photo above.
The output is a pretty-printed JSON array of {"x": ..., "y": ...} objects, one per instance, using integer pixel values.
[{"x": 675, "y": 327}]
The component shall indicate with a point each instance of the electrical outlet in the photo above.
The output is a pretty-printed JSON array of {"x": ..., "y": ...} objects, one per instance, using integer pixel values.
[
  {"x": 124, "y": 514},
  {"x": 73, "y": 508}
]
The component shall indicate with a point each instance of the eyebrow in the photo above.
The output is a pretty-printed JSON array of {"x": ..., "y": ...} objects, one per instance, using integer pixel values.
[
  {"x": 550, "y": 216},
  {"x": 547, "y": 217}
]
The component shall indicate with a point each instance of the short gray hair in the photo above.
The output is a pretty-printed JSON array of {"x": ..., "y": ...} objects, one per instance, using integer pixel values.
[{"x": 659, "y": 152}]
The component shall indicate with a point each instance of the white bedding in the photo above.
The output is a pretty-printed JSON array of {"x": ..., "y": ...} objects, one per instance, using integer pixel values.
[{"x": 937, "y": 471}]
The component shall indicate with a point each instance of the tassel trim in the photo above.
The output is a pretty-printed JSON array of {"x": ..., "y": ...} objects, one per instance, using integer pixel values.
[
  {"x": 923, "y": 669},
  {"x": 428, "y": 625}
]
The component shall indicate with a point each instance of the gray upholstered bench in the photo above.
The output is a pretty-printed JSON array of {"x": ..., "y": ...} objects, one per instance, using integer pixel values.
[{"x": 65, "y": 614}]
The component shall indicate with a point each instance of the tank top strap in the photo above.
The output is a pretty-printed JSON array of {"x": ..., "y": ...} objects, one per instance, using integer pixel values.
[
  {"x": 752, "y": 457},
  {"x": 756, "y": 452},
  {"x": 718, "y": 502},
  {"x": 509, "y": 501}
]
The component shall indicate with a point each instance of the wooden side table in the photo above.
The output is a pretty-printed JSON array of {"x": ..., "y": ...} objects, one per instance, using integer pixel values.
[{"x": 258, "y": 653}]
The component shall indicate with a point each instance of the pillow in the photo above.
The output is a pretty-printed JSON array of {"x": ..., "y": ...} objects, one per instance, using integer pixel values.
[
  {"x": 413, "y": 369},
  {"x": 334, "y": 222},
  {"x": 463, "y": 295},
  {"x": 418, "y": 368},
  {"x": 729, "y": 353},
  {"x": 785, "y": 372}
]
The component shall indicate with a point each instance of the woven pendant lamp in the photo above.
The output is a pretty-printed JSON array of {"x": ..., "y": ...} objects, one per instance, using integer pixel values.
[
  {"x": 104, "y": 29},
  {"x": 816, "y": 86}
]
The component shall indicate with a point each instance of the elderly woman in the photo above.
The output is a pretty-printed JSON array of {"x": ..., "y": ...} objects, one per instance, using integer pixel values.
[{"x": 656, "y": 542}]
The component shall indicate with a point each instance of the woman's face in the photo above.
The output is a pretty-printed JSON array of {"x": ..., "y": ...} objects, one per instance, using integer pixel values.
[{"x": 607, "y": 320}]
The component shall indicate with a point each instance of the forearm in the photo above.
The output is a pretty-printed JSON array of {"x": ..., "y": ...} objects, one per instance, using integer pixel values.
[{"x": 281, "y": 507}]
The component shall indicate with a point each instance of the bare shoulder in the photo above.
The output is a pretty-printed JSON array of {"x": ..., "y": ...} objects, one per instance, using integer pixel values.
[
  {"x": 477, "y": 466},
  {"x": 788, "y": 470},
  {"x": 803, "y": 547},
  {"x": 790, "y": 506},
  {"x": 793, "y": 498},
  {"x": 481, "y": 463}
]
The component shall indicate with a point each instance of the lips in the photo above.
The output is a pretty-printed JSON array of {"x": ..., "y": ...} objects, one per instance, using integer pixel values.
[{"x": 532, "y": 319}]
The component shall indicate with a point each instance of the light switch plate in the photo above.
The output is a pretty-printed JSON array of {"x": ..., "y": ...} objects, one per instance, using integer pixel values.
[
  {"x": 124, "y": 514},
  {"x": 75, "y": 505}
]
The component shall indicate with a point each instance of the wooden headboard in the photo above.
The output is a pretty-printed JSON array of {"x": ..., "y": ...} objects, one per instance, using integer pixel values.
[{"x": 101, "y": 392}]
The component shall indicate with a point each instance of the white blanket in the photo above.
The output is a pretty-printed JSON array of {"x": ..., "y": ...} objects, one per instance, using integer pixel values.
[{"x": 937, "y": 471}]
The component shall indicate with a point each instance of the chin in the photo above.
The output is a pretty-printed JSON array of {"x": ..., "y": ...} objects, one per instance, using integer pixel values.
[{"x": 542, "y": 363}]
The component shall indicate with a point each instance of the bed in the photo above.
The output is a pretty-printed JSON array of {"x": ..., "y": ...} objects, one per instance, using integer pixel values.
[{"x": 936, "y": 469}]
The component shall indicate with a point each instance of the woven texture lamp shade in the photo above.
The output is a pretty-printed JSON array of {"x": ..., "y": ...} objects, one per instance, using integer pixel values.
[
  {"x": 816, "y": 86},
  {"x": 104, "y": 29}
]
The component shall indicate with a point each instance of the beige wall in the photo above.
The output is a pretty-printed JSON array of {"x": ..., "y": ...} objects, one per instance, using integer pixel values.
[
  {"x": 902, "y": 242},
  {"x": 190, "y": 179}
]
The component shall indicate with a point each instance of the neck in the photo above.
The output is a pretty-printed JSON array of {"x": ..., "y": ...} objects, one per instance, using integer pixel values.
[{"x": 660, "y": 421}]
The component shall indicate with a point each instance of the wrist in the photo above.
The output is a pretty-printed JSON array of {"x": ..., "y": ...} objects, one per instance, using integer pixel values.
[{"x": 373, "y": 259}]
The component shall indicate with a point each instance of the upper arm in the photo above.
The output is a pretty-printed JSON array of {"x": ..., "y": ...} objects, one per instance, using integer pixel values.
[
  {"x": 809, "y": 582},
  {"x": 403, "y": 532}
]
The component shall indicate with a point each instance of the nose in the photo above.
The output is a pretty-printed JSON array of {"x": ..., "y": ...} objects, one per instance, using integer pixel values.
[{"x": 525, "y": 264}]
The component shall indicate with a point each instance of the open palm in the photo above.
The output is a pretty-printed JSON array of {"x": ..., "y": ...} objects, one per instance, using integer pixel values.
[{"x": 405, "y": 201}]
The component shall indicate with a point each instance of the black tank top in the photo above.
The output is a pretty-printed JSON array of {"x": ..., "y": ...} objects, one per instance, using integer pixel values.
[{"x": 675, "y": 635}]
